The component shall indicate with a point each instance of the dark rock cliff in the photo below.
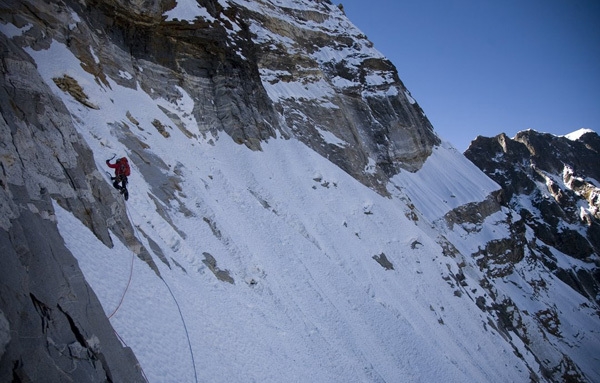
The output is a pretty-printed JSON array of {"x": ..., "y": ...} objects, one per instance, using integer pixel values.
[
  {"x": 552, "y": 183},
  {"x": 57, "y": 329}
]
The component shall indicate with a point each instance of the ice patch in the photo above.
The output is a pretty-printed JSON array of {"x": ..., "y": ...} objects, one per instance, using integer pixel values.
[
  {"x": 188, "y": 11},
  {"x": 331, "y": 138},
  {"x": 10, "y": 30}
]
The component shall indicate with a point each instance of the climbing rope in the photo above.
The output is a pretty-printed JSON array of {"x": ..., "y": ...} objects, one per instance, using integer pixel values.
[
  {"x": 130, "y": 273},
  {"x": 187, "y": 334},
  {"x": 172, "y": 295},
  {"x": 126, "y": 287}
]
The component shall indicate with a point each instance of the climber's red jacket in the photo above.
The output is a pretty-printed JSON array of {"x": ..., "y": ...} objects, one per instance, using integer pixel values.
[{"x": 121, "y": 167}]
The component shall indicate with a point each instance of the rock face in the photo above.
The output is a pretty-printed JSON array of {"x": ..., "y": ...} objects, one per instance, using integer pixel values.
[
  {"x": 552, "y": 183},
  {"x": 254, "y": 71},
  {"x": 52, "y": 324},
  {"x": 354, "y": 109},
  {"x": 246, "y": 66},
  {"x": 535, "y": 235}
]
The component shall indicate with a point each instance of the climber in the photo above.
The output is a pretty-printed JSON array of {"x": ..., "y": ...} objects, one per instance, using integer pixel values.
[{"x": 121, "y": 172}]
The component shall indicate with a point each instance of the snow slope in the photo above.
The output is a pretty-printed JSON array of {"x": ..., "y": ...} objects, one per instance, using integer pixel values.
[
  {"x": 574, "y": 136},
  {"x": 297, "y": 237},
  {"x": 446, "y": 181}
]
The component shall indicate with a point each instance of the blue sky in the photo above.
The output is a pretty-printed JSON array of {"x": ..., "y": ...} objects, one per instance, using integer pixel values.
[{"x": 483, "y": 67}]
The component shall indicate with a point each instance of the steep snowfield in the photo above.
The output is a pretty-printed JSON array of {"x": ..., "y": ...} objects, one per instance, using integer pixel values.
[
  {"x": 308, "y": 296},
  {"x": 295, "y": 235},
  {"x": 446, "y": 181}
]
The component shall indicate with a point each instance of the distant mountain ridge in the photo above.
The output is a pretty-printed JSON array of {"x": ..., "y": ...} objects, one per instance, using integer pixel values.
[{"x": 553, "y": 183}]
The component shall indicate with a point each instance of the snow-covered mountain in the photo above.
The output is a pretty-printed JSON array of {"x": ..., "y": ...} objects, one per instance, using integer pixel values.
[
  {"x": 552, "y": 183},
  {"x": 292, "y": 214}
]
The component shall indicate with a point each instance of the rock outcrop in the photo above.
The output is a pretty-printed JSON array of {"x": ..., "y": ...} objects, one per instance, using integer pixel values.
[
  {"x": 353, "y": 108},
  {"x": 53, "y": 326},
  {"x": 552, "y": 183},
  {"x": 534, "y": 236}
]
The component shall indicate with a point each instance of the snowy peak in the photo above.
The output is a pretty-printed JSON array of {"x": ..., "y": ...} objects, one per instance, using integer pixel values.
[
  {"x": 553, "y": 183},
  {"x": 524, "y": 164},
  {"x": 576, "y": 135},
  {"x": 550, "y": 195}
]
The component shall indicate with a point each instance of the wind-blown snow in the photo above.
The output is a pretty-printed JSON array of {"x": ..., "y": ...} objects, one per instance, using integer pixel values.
[
  {"x": 331, "y": 138},
  {"x": 409, "y": 97}
]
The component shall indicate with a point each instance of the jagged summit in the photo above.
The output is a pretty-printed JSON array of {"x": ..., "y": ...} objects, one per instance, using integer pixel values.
[
  {"x": 552, "y": 182},
  {"x": 292, "y": 214}
]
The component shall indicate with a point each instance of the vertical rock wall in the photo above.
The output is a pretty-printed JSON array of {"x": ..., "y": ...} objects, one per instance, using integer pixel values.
[{"x": 52, "y": 326}]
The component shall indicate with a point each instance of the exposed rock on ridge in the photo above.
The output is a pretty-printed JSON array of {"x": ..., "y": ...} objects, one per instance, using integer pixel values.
[
  {"x": 355, "y": 110},
  {"x": 534, "y": 236},
  {"x": 552, "y": 183}
]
